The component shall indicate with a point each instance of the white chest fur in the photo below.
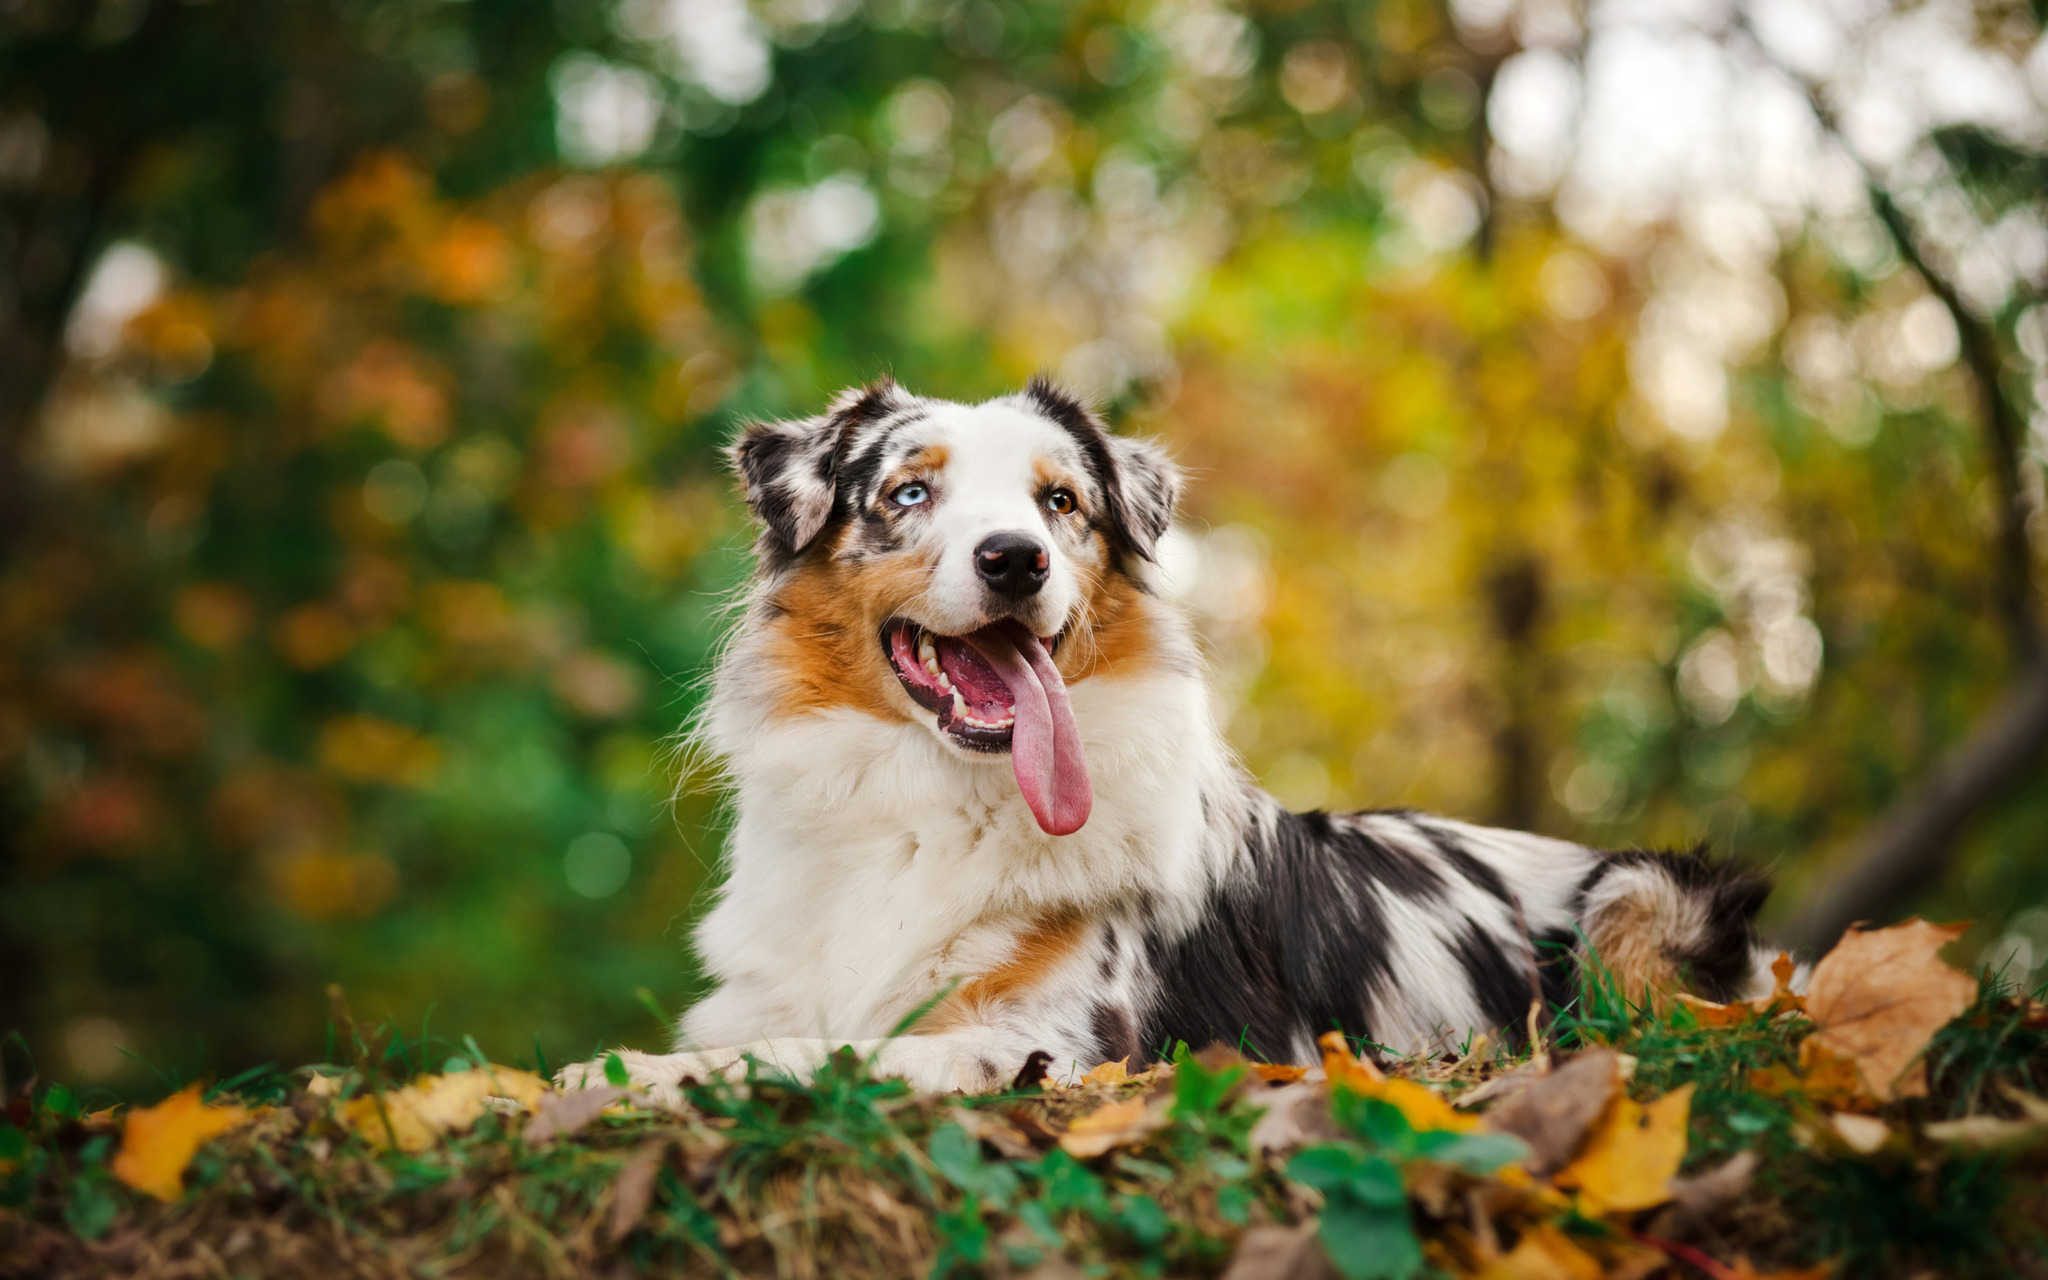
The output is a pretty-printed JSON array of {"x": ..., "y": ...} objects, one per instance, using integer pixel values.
[{"x": 872, "y": 864}]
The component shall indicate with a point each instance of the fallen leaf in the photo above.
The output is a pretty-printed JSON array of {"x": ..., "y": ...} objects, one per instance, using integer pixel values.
[
  {"x": 1781, "y": 999},
  {"x": 633, "y": 1189},
  {"x": 1703, "y": 1193},
  {"x": 1544, "y": 1253},
  {"x": 1109, "y": 1072},
  {"x": 1278, "y": 1072},
  {"x": 1861, "y": 1134},
  {"x": 1421, "y": 1106},
  {"x": 1032, "y": 1075},
  {"x": 1112, "y": 1125},
  {"x": 1345, "y": 1067},
  {"x": 1280, "y": 1253},
  {"x": 1554, "y": 1112},
  {"x": 1009, "y": 1141},
  {"x": 1631, "y": 1158},
  {"x": 158, "y": 1142},
  {"x": 1879, "y": 997},
  {"x": 416, "y": 1117},
  {"x": 324, "y": 1086},
  {"x": 1296, "y": 1115},
  {"x": 1988, "y": 1131},
  {"x": 560, "y": 1114},
  {"x": 1823, "y": 1078},
  {"x": 103, "y": 1119}
]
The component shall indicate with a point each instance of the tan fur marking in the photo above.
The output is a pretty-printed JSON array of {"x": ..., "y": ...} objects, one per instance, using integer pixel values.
[
  {"x": 1118, "y": 638},
  {"x": 826, "y": 643},
  {"x": 1628, "y": 937},
  {"x": 1037, "y": 952}
]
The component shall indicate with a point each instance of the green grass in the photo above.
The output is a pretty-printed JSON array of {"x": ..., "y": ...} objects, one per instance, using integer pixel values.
[{"x": 853, "y": 1176}]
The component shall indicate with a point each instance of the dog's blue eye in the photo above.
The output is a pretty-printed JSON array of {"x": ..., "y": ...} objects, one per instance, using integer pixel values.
[{"x": 910, "y": 495}]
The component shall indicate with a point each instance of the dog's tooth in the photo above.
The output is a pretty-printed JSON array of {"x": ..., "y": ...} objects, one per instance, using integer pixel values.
[
  {"x": 932, "y": 665},
  {"x": 959, "y": 706},
  {"x": 944, "y": 683},
  {"x": 926, "y": 652}
]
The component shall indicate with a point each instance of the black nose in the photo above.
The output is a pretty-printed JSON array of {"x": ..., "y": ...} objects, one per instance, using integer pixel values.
[{"x": 1012, "y": 563}]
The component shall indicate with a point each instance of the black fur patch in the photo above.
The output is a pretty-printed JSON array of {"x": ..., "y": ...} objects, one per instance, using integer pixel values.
[
  {"x": 1467, "y": 863},
  {"x": 1116, "y": 1036},
  {"x": 1500, "y": 981},
  {"x": 1293, "y": 945},
  {"x": 1139, "y": 484}
]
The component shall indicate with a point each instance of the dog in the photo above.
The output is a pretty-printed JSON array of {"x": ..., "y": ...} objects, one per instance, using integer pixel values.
[{"x": 984, "y": 808}]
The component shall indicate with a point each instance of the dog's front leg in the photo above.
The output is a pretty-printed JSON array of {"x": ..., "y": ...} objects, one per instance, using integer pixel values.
[{"x": 971, "y": 1061}]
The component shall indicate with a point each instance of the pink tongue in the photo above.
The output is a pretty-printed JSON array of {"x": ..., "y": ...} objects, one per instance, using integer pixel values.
[{"x": 1045, "y": 745}]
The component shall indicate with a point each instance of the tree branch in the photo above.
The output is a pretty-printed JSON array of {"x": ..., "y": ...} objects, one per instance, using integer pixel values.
[
  {"x": 2004, "y": 420},
  {"x": 1899, "y": 854}
]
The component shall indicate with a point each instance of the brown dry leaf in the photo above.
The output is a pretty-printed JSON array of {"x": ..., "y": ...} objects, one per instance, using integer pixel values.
[
  {"x": 1009, "y": 1141},
  {"x": 1544, "y": 1253},
  {"x": 1707, "y": 1191},
  {"x": 1880, "y": 996},
  {"x": 1554, "y": 1112},
  {"x": 560, "y": 1114},
  {"x": 158, "y": 1142},
  {"x": 1630, "y": 1160},
  {"x": 1296, "y": 1115},
  {"x": 1109, "y": 1072},
  {"x": 1280, "y": 1253},
  {"x": 633, "y": 1190},
  {"x": 414, "y": 1118},
  {"x": 1112, "y": 1125}
]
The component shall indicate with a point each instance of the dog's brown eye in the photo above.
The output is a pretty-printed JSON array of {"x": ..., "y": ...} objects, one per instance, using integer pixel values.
[{"x": 1059, "y": 502}]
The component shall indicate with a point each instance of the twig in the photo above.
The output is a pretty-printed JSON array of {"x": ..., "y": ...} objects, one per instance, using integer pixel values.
[
  {"x": 1899, "y": 852},
  {"x": 1687, "y": 1254}
]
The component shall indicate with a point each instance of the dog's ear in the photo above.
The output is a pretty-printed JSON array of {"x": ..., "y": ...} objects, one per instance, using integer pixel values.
[
  {"x": 1140, "y": 482},
  {"x": 785, "y": 471},
  {"x": 789, "y": 470},
  {"x": 1143, "y": 491}
]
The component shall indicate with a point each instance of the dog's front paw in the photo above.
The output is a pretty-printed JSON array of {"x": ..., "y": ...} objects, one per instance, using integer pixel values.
[{"x": 659, "y": 1075}]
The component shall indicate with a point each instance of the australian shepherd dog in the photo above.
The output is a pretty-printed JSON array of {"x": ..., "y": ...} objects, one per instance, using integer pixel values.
[{"x": 978, "y": 774}]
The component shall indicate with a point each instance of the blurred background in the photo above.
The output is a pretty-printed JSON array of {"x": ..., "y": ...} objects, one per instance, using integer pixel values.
[{"x": 1621, "y": 419}]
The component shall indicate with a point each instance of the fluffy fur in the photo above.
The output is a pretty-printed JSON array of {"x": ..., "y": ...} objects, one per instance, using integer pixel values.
[{"x": 879, "y": 859}]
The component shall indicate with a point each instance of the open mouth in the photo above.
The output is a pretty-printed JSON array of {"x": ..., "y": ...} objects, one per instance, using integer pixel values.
[{"x": 996, "y": 690}]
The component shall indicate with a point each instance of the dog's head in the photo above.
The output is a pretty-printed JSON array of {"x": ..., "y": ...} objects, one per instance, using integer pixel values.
[{"x": 957, "y": 564}]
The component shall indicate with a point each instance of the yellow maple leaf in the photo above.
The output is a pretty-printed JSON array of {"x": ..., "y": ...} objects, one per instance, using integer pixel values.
[
  {"x": 1879, "y": 997},
  {"x": 158, "y": 1142},
  {"x": 1631, "y": 1158},
  {"x": 1108, "y": 1072},
  {"x": 415, "y": 1118},
  {"x": 1422, "y": 1108}
]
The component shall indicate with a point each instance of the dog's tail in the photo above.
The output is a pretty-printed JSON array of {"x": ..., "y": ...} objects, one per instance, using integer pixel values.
[{"x": 1664, "y": 922}]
